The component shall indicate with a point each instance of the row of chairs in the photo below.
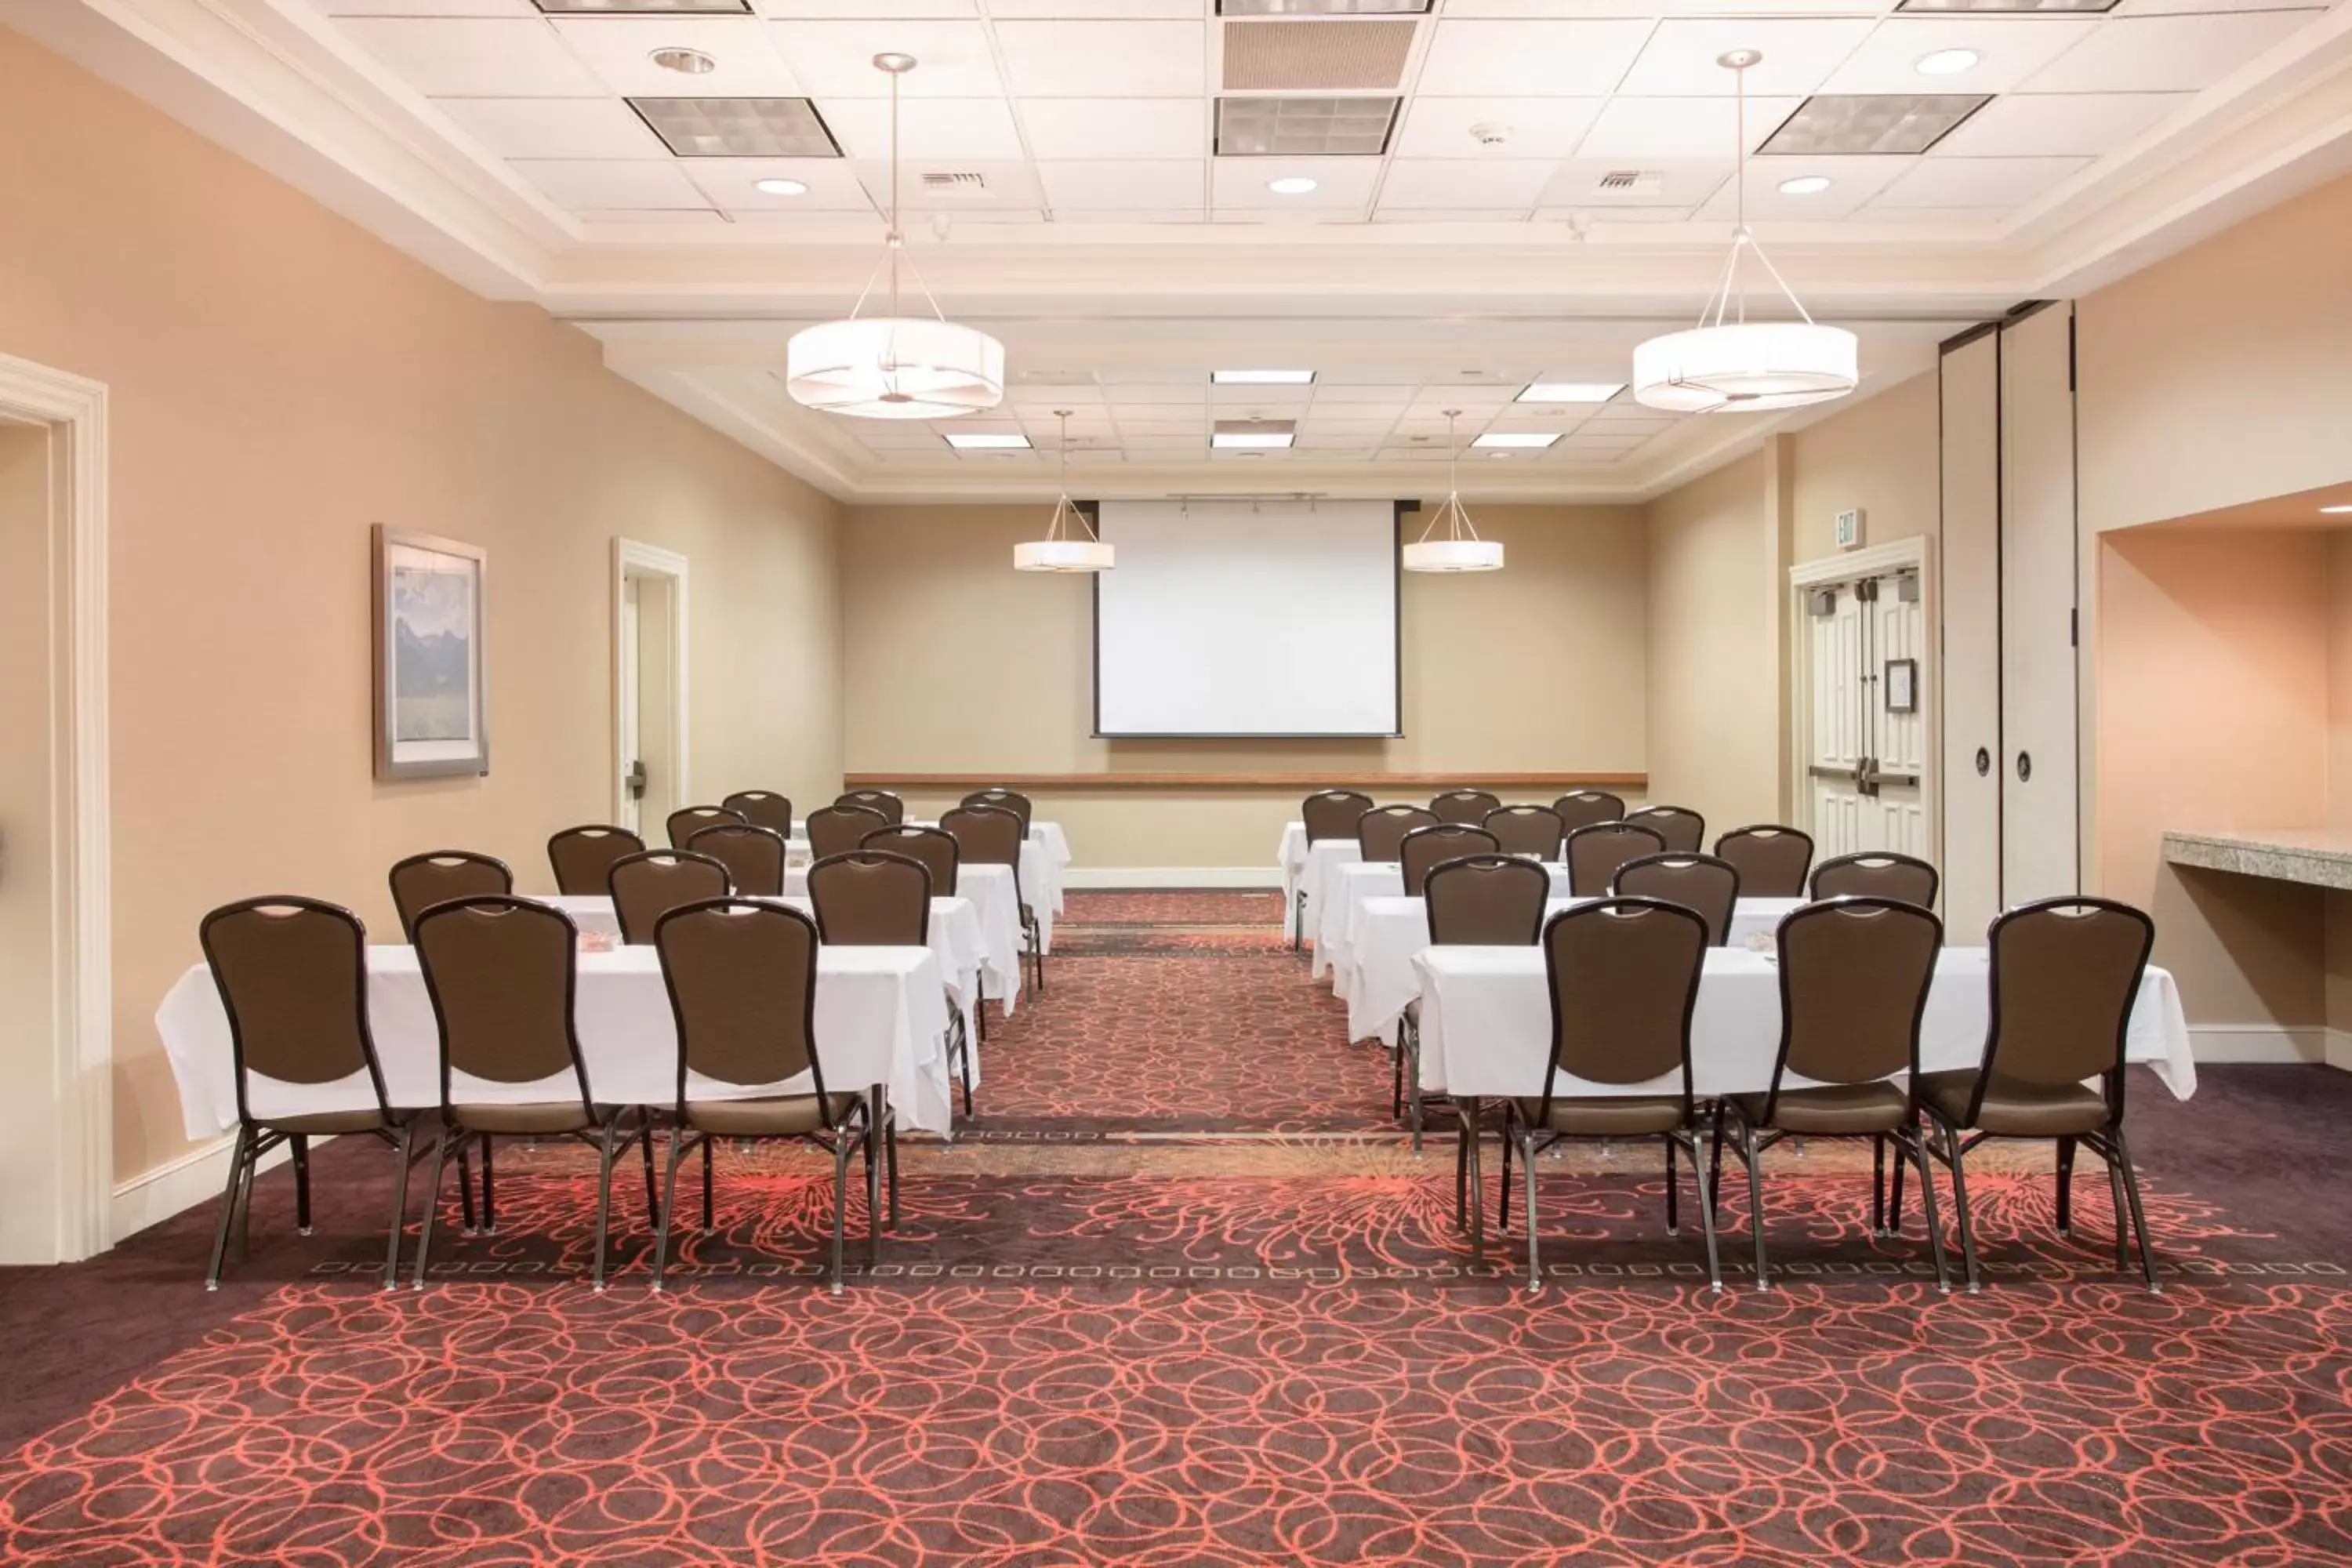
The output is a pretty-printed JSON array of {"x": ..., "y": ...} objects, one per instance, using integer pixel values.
[
  {"x": 765, "y": 808},
  {"x": 1764, "y": 862}
]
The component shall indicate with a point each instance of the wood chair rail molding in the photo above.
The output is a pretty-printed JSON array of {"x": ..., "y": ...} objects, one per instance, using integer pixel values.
[{"x": 1094, "y": 782}]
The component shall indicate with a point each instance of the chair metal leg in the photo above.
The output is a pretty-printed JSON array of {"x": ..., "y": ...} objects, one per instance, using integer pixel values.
[
  {"x": 1298, "y": 922},
  {"x": 236, "y": 1157},
  {"x": 670, "y": 1203},
  {"x": 1502, "y": 1184},
  {"x": 1878, "y": 1184},
  {"x": 1894, "y": 1200},
  {"x": 1466, "y": 1107},
  {"x": 840, "y": 1201},
  {"x": 399, "y": 1206},
  {"x": 245, "y": 1200},
  {"x": 646, "y": 1143},
  {"x": 963, "y": 1044},
  {"x": 1413, "y": 1098},
  {"x": 1916, "y": 1146},
  {"x": 465, "y": 1188},
  {"x": 1674, "y": 1220},
  {"x": 1707, "y": 1217},
  {"x": 873, "y": 1190},
  {"x": 1960, "y": 1203},
  {"x": 2066, "y": 1186},
  {"x": 2121, "y": 1162},
  {"x": 1715, "y": 1160},
  {"x": 708, "y": 1216},
  {"x": 1528, "y": 1164},
  {"x": 1396, "y": 1088},
  {"x": 1748, "y": 1152},
  {"x": 302, "y": 1144},
  {"x": 605, "y": 1150},
  {"x": 433, "y": 1199},
  {"x": 890, "y": 1162},
  {"x": 1461, "y": 1177},
  {"x": 490, "y": 1190}
]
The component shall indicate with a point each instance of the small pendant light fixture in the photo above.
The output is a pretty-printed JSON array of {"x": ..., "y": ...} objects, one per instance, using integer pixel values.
[
  {"x": 1070, "y": 544},
  {"x": 1461, "y": 550},
  {"x": 1727, "y": 363},
  {"x": 893, "y": 366}
]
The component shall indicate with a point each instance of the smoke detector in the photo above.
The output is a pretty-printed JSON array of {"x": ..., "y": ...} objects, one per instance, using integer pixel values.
[{"x": 1486, "y": 133}]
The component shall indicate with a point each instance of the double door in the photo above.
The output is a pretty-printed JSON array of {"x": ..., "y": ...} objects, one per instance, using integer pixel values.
[{"x": 1866, "y": 714}]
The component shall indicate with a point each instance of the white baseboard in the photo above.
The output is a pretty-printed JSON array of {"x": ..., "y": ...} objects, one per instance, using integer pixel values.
[
  {"x": 1162, "y": 876},
  {"x": 177, "y": 1185},
  {"x": 2269, "y": 1042},
  {"x": 2339, "y": 1047}
]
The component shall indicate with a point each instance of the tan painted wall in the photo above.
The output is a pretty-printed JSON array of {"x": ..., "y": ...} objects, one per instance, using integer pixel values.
[
  {"x": 279, "y": 381},
  {"x": 954, "y": 662},
  {"x": 1879, "y": 455}
]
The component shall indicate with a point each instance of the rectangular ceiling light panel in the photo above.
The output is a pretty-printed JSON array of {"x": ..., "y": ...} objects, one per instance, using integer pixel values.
[
  {"x": 1247, "y": 433},
  {"x": 2011, "y": 5},
  {"x": 1305, "y": 127},
  {"x": 987, "y": 441},
  {"x": 1323, "y": 7},
  {"x": 1835, "y": 124},
  {"x": 738, "y": 127},
  {"x": 644, "y": 7},
  {"x": 1315, "y": 56},
  {"x": 1571, "y": 392},
  {"x": 1263, "y": 377},
  {"x": 1517, "y": 439}
]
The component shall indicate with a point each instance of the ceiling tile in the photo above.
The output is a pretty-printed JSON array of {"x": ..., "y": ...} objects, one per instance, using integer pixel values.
[
  {"x": 619, "y": 49},
  {"x": 1137, "y": 216},
  {"x": 1977, "y": 182},
  {"x": 928, "y": 127},
  {"x": 1527, "y": 126},
  {"x": 658, "y": 217},
  {"x": 1577, "y": 182},
  {"x": 1100, "y": 185},
  {"x": 732, "y": 183},
  {"x": 893, "y": 10},
  {"x": 580, "y": 182},
  {"x": 1852, "y": 182},
  {"x": 835, "y": 58},
  {"x": 1092, "y": 128},
  {"x": 1654, "y": 128},
  {"x": 554, "y": 127},
  {"x": 1679, "y": 60},
  {"x": 2087, "y": 124},
  {"x": 1451, "y": 183},
  {"x": 1629, "y": 213},
  {"x": 2179, "y": 7},
  {"x": 475, "y": 58},
  {"x": 1125, "y": 10},
  {"x": 1097, "y": 59},
  {"x": 2164, "y": 54},
  {"x": 1384, "y": 212},
  {"x": 1340, "y": 183},
  {"x": 1476, "y": 59},
  {"x": 1930, "y": 218},
  {"x": 2009, "y": 50},
  {"x": 1328, "y": 391},
  {"x": 521, "y": 8}
]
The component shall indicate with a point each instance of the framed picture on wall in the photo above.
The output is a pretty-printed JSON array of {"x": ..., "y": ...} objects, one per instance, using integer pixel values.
[
  {"x": 1903, "y": 686},
  {"x": 431, "y": 680}
]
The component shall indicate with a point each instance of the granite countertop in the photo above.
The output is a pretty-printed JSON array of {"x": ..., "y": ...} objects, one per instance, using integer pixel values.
[{"x": 2321, "y": 857}]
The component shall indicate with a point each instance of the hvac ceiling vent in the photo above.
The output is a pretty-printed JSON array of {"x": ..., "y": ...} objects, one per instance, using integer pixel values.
[
  {"x": 1304, "y": 127},
  {"x": 1313, "y": 57},
  {"x": 947, "y": 180},
  {"x": 1629, "y": 180},
  {"x": 738, "y": 127},
  {"x": 1888, "y": 123}
]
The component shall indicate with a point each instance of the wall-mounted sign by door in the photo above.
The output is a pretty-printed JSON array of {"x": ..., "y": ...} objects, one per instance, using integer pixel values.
[{"x": 1849, "y": 530}]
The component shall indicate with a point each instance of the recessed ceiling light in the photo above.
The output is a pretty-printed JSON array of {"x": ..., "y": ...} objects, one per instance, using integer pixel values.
[
  {"x": 988, "y": 441},
  {"x": 686, "y": 62},
  {"x": 1290, "y": 185},
  {"x": 1522, "y": 439},
  {"x": 1571, "y": 392},
  {"x": 1805, "y": 185},
  {"x": 779, "y": 187},
  {"x": 1947, "y": 62},
  {"x": 1231, "y": 434},
  {"x": 1262, "y": 377},
  {"x": 2335, "y": 511}
]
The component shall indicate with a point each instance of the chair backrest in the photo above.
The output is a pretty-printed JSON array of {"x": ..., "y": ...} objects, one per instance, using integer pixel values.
[
  {"x": 754, "y": 857},
  {"x": 1679, "y": 826},
  {"x": 582, "y": 856},
  {"x": 501, "y": 973},
  {"x": 2065, "y": 973},
  {"x": 893, "y": 809},
  {"x": 1332, "y": 813},
  {"x": 292, "y": 974},
  {"x": 646, "y": 886},
  {"x": 1877, "y": 874},
  {"x": 1423, "y": 847},
  {"x": 1532, "y": 830},
  {"x": 1703, "y": 884},
  {"x": 762, "y": 808},
  {"x": 1468, "y": 806},
  {"x": 1598, "y": 849},
  {"x": 870, "y": 898},
  {"x": 1854, "y": 975},
  {"x": 936, "y": 847},
  {"x": 1583, "y": 807},
  {"x": 837, "y": 830},
  {"x": 1009, "y": 800},
  {"x": 1486, "y": 900},
  {"x": 742, "y": 986},
  {"x": 1772, "y": 860},
  {"x": 689, "y": 820},
  {"x": 1380, "y": 831},
  {"x": 423, "y": 881},
  {"x": 984, "y": 836},
  {"x": 1623, "y": 977}
]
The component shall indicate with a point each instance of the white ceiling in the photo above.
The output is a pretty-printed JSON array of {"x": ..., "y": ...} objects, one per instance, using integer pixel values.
[{"x": 1121, "y": 261}]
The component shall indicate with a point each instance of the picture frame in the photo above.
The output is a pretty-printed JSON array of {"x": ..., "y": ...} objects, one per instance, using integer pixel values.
[
  {"x": 1903, "y": 686},
  {"x": 431, "y": 663}
]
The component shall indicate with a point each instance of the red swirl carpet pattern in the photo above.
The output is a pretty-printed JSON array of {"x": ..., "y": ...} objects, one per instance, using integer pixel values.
[{"x": 1185, "y": 1298}]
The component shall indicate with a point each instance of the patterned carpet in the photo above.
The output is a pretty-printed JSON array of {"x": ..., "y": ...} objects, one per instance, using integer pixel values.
[{"x": 1186, "y": 1299}]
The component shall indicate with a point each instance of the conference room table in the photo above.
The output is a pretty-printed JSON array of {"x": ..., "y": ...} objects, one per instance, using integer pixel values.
[
  {"x": 1486, "y": 1029},
  {"x": 1044, "y": 855},
  {"x": 1303, "y": 867},
  {"x": 1347, "y": 886},
  {"x": 989, "y": 890},
  {"x": 881, "y": 1026},
  {"x": 1379, "y": 981}
]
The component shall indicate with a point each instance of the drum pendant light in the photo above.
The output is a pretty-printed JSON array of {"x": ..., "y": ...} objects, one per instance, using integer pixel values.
[
  {"x": 1070, "y": 544},
  {"x": 894, "y": 366},
  {"x": 1729, "y": 363},
  {"x": 1461, "y": 550}
]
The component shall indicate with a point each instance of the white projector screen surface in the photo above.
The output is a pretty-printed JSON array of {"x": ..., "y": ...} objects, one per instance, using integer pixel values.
[{"x": 1234, "y": 619}]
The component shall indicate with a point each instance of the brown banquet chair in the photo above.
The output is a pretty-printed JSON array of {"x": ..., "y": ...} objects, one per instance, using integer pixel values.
[
  {"x": 1596, "y": 851},
  {"x": 1772, "y": 859},
  {"x": 1878, "y": 874},
  {"x": 1009, "y": 800},
  {"x": 754, "y": 857},
  {"x": 1381, "y": 831},
  {"x": 892, "y": 809},
  {"x": 1326, "y": 814},
  {"x": 1708, "y": 885},
  {"x": 986, "y": 836},
  {"x": 1583, "y": 807},
  {"x": 582, "y": 856},
  {"x": 762, "y": 808},
  {"x": 1682, "y": 828},
  {"x": 870, "y": 898},
  {"x": 1534, "y": 831},
  {"x": 1480, "y": 900},
  {"x": 439, "y": 875},
  {"x": 688, "y": 820},
  {"x": 1423, "y": 848},
  {"x": 935, "y": 848},
  {"x": 648, "y": 886},
  {"x": 838, "y": 829},
  {"x": 1467, "y": 807}
]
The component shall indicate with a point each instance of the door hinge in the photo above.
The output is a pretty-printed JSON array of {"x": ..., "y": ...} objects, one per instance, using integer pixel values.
[
  {"x": 2070, "y": 350},
  {"x": 1866, "y": 590},
  {"x": 2074, "y": 628}
]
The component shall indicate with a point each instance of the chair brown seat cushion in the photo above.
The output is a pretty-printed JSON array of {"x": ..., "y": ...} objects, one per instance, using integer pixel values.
[
  {"x": 1614, "y": 1116},
  {"x": 1831, "y": 1109},
  {"x": 556, "y": 1115},
  {"x": 327, "y": 1123},
  {"x": 790, "y": 1116},
  {"x": 2015, "y": 1110}
]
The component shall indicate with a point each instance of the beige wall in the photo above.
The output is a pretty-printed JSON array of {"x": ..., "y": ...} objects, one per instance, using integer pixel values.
[
  {"x": 279, "y": 381},
  {"x": 955, "y": 663},
  {"x": 1879, "y": 455}
]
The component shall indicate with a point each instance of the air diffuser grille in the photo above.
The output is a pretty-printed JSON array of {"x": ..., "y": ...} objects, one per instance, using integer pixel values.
[
  {"x": 738, "y": 127},
  {"x": 1304, "y": 127},
  {"x": 1309, "y": 56}
]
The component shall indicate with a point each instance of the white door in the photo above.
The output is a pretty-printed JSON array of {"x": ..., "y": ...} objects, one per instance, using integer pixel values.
[
  {"x": 28, "y": 1018},
  {"x": 1970, "y": 583},
  {"x": 2039, "y": 835},
  {"x": 1866, "y": 723}
]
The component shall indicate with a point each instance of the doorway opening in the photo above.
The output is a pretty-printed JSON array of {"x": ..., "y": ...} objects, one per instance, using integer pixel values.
[
  {"x": 1864, "y": 665},
  {"x": 649, "y": 685}
]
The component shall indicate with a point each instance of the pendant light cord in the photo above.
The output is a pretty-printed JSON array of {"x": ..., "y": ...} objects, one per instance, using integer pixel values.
[
  {"x": 1063, "y": 508},
  {"x": 1454, "y": 514},
  {"x": 1729, "y": 298}
]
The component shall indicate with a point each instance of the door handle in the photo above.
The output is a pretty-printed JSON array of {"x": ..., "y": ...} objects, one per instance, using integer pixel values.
[
  {"x": 2024, "y": 766},
  {"x": 636, "y": 781},
  {"x": 1984, "y": 762}
]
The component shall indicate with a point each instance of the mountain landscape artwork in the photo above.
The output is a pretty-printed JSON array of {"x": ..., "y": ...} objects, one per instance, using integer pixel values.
[{"x": 431, "y": 688}]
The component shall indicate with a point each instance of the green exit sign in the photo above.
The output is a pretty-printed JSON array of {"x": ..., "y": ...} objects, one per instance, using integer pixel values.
[{"x": 1849, "y": 530}]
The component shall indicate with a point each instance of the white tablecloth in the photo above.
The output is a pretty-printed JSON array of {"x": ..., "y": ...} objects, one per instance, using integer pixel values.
[
  {"x": 989, "y": 889},
  {"x": 881, "y": 1018},
  {"x": 1485, "y": 1024},
  {"x": 1303, "y": 867},
  {"x": 1045, "y": 891},
  {"x": 1346, "y": 889},
  {"x": 954, "y": 938},
  {"x": 1389, "y": 933}
]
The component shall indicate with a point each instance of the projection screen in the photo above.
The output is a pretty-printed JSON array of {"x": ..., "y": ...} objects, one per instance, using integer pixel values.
[{"x": 1238, "y": 619}]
